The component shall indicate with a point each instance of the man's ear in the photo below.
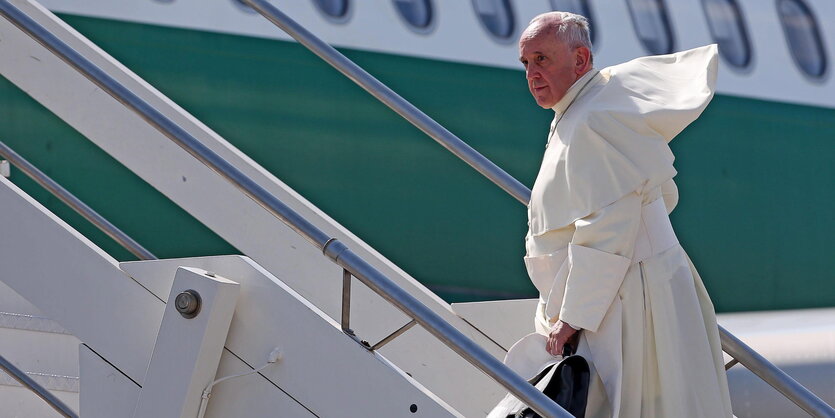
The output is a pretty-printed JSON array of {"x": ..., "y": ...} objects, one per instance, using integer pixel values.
[{"x": 582, "y": 59}]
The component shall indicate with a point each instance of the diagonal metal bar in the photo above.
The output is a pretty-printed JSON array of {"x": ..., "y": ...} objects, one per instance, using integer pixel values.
[
  {"x": 730, "y": 364},
  {"x": 39, "y": 390},
  {"x": 394, "y": 335},
  {"x": 75, "y": 204}
]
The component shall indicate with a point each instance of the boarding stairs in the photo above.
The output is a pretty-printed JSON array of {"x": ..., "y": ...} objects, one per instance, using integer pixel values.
[{"x": 310, "y": 322}]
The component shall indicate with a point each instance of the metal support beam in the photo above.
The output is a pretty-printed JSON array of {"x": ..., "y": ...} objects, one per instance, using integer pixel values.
[
  {"x": 346, "y": 300},
  {"x": 188, "y": 348},
  {"x": 393, "y": 335},
  {"x": 730, "y": 364}
]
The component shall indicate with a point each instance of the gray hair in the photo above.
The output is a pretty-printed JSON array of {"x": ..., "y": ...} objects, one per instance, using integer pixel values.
[{"x": 573, "y": 29}]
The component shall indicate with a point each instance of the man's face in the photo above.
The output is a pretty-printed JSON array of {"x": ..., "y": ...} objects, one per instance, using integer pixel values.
[{"x": 549, "y": 67}]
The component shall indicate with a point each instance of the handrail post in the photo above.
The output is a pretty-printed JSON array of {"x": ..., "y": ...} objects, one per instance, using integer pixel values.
[{"x": 345, "y": 321}]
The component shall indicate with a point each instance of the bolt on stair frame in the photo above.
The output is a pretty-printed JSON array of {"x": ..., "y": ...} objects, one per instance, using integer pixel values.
[
  {"x": 741, "y": 353},
  {"x": 75, "y": 203},
  {"x": 39, "y": 390},
  {"x": 332, "y": 248}
]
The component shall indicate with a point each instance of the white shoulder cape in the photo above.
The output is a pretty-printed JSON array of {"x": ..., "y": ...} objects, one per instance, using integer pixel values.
[{"x": 612, "y": 139}]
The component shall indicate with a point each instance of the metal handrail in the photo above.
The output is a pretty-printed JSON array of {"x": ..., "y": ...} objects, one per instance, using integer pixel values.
[
  {"x": 39, "y": 390},
  {"x": 400, "y": 105},
  {"x": 730, "y": 344},
  {"x": 334, "y": 249},
  {"x": 75, "y": 203},
  {"x": 775, "y": 377}
]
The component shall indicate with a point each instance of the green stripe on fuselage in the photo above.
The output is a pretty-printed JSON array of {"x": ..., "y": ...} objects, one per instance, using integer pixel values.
[{"x": 755, "y": 177}]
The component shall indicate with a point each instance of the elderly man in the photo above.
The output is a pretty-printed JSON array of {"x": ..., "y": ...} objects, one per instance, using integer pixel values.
[{"x": 612, "y": 278}]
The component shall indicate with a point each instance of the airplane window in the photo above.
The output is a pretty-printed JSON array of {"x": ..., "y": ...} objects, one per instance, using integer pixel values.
[
  {"x": 725, "y": 21},
  {"x": 803, "y": 37},
  {"x": 333, "y": 8},
  {"x": 652, "y": 25},
  {"x": 417, "y": 13},
  {"x": 580, "y": 7},
  {"x": 496, "y": 16}
]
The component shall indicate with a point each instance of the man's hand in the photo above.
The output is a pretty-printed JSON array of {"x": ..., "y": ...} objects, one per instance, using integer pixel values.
[{"x": 561, "y": 333}]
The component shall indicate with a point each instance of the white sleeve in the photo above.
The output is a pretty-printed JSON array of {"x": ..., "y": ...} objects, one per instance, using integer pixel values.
[{"x": 599, "y": 255}]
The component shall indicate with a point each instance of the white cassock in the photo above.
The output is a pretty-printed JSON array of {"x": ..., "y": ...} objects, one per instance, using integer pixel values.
[{"x": 601, "y": 250}]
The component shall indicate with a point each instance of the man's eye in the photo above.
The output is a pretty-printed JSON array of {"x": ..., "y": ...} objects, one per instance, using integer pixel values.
[{"x": 540, "y": 58}]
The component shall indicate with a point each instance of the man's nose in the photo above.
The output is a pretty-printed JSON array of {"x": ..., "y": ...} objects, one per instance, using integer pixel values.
[{"x": 531, "y": 73}]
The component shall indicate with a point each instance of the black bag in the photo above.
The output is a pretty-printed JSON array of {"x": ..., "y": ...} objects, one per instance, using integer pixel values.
[{"x": 566, "y": 382}]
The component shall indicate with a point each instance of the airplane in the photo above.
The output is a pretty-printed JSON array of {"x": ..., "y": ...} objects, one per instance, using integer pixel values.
[{"x": 753, "y": 170}]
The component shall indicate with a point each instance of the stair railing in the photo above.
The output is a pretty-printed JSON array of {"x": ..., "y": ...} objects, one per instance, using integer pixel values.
[
  {"x": 75, "y": 203},
  {"x": 740, "y": 352},
  {"x": 39, "y": 390},
  {"x": 338, "y": 252}
]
